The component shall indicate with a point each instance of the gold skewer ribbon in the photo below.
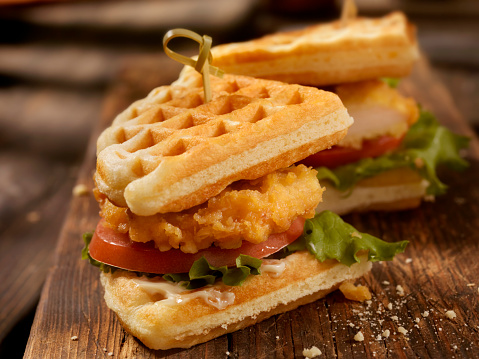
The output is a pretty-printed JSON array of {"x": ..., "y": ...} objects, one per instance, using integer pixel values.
[
  {"x": 349, "y": 12},
  {"x": 202, "y": 64}
]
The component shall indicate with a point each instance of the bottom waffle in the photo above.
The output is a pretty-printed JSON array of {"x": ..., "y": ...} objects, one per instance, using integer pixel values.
[
  {"x": 393, "y": 190},
  {"x": 152, "y": 314}
]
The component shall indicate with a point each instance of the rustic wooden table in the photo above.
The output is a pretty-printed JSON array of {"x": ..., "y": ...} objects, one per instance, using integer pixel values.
[{"x": 49, "y": 107}]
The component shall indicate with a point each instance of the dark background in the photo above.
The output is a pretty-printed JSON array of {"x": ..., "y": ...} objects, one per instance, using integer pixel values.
[{"x": 58, "y": 59}]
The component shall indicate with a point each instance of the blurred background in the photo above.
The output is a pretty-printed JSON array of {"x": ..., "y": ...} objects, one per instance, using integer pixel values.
[{"x": 60, "y": 59}]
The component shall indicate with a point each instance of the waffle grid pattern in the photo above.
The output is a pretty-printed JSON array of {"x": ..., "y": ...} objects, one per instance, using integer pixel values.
[{"x": 174, "y": 125}]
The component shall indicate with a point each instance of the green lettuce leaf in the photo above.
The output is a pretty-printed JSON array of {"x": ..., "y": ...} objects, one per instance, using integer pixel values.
[
  {"x": 426, "y": 146},
  {"x": 327, "y": 236},
  {"x": 202, "y": 273},
  {"x": 391, "y": 81}
]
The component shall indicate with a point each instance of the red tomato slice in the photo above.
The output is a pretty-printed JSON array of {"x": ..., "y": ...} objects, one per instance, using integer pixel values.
[
  {"x": 338, "y": 156},
  {"x": 116, "y": 249}
]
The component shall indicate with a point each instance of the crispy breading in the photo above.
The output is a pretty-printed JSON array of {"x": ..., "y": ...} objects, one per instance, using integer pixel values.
[{"x": 245, "y": 210}]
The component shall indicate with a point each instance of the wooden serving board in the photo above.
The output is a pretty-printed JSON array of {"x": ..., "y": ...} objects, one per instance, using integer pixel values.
[{"x": 438, "y": 272}]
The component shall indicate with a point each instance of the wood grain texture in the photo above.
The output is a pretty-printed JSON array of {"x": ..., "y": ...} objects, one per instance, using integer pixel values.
[
  {"x": 34, "y": 199},
  {"x": 438, "y": 272}
]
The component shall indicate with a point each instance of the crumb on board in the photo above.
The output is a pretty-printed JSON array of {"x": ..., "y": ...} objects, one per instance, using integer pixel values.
[
  {"x": 74, "y": 338},
  {"x": 402, "y": 330},
  {"x": 312, "y": 352},
  {"x": 80, "y": 190},
  {"x": 451, "y": 314},
  {"x": 409, "y": 260},
  {"x": 359, "y": 337},
  {"x": 386, "y": 333},
  {"x": 400, "y": 290},
  {"x": 358, "y": 293},
  {"x": 425, "y": 314}
]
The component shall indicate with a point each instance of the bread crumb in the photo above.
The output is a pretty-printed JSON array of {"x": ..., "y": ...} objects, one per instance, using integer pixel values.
[
  {"x": 312, "y": 352},
  {"x": 74, "y": 338},
  {"x": 409, "y": 260},
  {"x": 359, "y": 337},
  {"x": 277, "y": 337},
  {"x": 402, "y": 330},
  {"x": 425, "y": 314},
  {"x": 450, "y": 314},
  {"x": 227, "y": 353},
  {"x": 386, "y": 333},
  {"x": 400, "y": 290},
  {"x": 356, "y": 234},
  {"x": 80, "y": 190},
  {"x": 386, "y": 282},
  {"x": 471, "y": 284},
  {"x": 390, "y": 306},
  {"x": 351, "y": 292},
  {"x": 395, "y": 318},
  {"x": 110, "y": 354},
  {"x": 418, "y": 320}
]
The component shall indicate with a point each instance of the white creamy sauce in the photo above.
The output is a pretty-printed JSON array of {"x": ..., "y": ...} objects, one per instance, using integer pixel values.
[
  {"x": 275, "y": 267},
  {"x": 173, "y": 293}
]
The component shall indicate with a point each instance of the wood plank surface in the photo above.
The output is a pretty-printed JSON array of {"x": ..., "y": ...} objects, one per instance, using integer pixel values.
[{"x": 438, "y": 272}]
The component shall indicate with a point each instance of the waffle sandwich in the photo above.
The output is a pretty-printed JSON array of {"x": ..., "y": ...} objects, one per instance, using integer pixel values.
[
  {"x": 380, "y": 164},
  {"x": 328, "y": 53},
  {"x": 202, "y": 206}
]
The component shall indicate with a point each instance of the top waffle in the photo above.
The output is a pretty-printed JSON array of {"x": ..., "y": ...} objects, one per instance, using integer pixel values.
[
  {"x": 171, "y": 151},
  {"x": 326, "y": 54}
]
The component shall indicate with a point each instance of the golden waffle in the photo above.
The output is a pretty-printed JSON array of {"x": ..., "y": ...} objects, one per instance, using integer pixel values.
[
  {"x": 326, "y": 54},
  {"x": 171, "y": 151},
  {"x": 164, "y": 324}
]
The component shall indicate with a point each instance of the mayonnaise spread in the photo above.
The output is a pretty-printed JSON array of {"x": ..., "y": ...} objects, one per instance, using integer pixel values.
[{"x": 173, "y": 293}]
